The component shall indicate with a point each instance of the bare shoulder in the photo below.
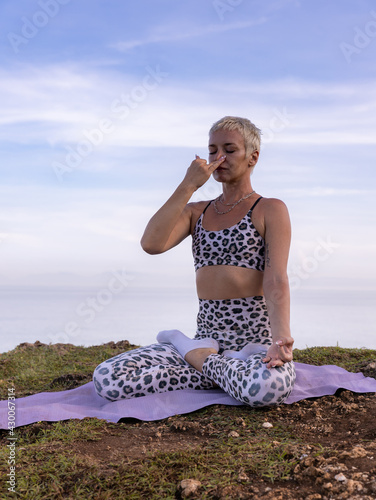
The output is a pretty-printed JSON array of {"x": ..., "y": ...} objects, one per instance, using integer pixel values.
[
  {"x": 196, "y": 208},
  {"x": 273, "y": 209},
  {"x": 276, "y": 221},
  {"x": 270, "y": 212},
  {"x": 273, "y": 206}
]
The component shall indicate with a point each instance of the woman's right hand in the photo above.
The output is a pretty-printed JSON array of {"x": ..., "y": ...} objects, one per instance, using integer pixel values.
[
  {"x": 200, "y": 170},
  {"x": 172, "y": 222}
]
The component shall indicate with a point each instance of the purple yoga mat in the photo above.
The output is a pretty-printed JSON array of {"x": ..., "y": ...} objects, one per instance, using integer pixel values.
[{"x": 311, "y": 381}]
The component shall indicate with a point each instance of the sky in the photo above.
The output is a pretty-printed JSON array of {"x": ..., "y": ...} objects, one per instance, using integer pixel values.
[{"x": 105, "y": 103}]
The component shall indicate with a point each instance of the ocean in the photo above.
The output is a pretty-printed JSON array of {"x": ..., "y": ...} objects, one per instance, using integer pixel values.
[{"x": 86, "y": 316}]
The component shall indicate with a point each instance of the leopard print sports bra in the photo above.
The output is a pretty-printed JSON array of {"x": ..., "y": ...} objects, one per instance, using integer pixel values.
[{"x": 239, "y": 245}]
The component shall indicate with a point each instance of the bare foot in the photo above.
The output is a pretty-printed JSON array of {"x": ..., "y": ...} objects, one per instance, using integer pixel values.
[{"x": 197, "y": 357}]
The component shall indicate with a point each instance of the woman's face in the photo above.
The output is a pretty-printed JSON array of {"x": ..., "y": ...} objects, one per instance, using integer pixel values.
[{"x": 237, "y": 163}]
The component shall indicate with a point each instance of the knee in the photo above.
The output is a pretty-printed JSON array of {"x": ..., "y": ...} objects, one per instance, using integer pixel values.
[
  {"x": 101, "y": 377},
  {"x": 268, "y": 387},
  {"x": 114, "y": 369}
]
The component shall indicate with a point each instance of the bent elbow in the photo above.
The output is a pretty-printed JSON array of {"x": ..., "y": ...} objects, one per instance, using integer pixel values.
[
  {"x": 276, "y": 282},
  {"x": 149, "y": 248}
]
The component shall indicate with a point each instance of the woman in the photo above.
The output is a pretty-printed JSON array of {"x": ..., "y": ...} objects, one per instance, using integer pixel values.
[{"x": 240, "y": 246}]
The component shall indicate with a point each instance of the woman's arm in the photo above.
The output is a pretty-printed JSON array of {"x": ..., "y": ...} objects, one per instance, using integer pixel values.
[
  {"x": 275, "y": 282},
  {"x": 172, "y": 223}
]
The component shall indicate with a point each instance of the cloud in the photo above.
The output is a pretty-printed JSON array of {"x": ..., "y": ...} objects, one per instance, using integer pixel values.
[
  {"x": 167, "y": 34},
  {"x": 59, "y": 103},
  {"x": 80, "y": 230},
  {"x": 322, "y": 191}
]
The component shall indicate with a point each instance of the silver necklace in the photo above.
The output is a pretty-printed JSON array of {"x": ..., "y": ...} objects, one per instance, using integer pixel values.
[{"x": 231, "y": 205}]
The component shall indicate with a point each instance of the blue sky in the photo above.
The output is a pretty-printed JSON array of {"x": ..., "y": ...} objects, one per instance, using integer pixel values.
[{"x": 105, "y": 103}]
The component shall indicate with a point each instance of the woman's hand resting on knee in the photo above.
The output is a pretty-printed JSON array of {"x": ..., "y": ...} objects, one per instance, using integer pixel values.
[{"x": 279, "y": 353}]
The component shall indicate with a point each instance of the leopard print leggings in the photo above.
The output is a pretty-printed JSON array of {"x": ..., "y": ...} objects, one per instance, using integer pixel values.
[{"x": 160, "y": 368}]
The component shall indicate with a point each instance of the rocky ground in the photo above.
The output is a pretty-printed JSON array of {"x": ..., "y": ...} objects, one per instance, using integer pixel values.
[{"x": 344, "y": 425}]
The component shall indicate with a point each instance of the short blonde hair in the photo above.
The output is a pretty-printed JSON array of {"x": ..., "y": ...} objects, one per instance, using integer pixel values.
[{"x": 249, "y": 131}]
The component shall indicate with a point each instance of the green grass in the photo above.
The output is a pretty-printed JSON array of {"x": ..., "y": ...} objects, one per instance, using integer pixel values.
[
  {"x": 41, "y": 367},
  {"x": 48, "y": 469},
  {"x": 350, "y": 359}
]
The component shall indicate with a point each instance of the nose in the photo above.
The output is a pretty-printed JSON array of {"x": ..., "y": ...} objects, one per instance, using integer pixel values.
[{"x": 219, "y": 154}]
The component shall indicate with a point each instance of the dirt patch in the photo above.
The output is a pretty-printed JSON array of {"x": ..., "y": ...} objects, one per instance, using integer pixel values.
[
  {"x": 343, "y": 425},
  {"x": 367, "y": 368},
  {"x": 140, "y": 440},
  {"x": 321, "y": 448}
]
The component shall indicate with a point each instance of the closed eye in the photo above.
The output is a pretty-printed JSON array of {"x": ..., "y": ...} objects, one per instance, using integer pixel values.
[{"x": 227, "y": 151}]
